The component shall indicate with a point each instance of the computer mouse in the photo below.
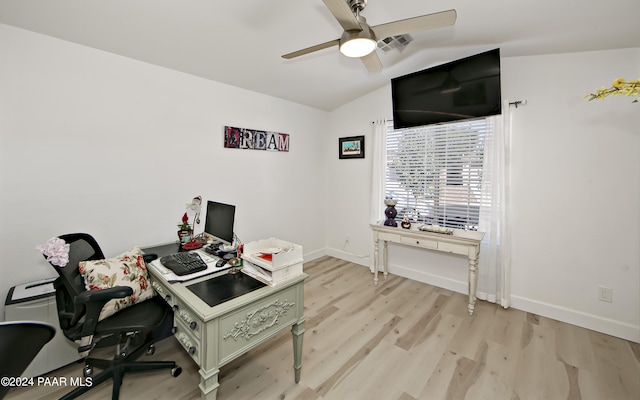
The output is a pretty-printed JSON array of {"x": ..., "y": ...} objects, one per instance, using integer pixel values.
[
  {"x": 221, "y": 262},
  {"x": 149, "y": 257}
]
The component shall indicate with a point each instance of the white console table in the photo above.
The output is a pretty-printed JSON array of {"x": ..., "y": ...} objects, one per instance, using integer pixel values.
[{"x": 466, "y": 243}]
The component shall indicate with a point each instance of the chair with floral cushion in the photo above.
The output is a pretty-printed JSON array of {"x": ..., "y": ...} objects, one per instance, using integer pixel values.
[{"x": 107, "y": 302}]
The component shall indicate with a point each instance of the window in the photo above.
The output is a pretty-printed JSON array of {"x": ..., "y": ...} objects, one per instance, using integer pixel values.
[{"x": 435, "y": 172}]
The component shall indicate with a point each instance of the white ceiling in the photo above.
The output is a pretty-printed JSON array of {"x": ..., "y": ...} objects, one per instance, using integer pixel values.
[{"x": 241, "y": 42}]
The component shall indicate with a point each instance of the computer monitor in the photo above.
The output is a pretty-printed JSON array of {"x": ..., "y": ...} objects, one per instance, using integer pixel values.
[{"x": 219, "y": 221}]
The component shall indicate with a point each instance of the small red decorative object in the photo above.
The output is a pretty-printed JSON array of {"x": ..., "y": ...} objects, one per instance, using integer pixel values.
[{"x": 192, "y": 245}]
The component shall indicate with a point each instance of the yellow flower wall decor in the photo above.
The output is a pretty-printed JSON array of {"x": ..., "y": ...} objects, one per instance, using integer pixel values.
[{"x": 619, "y": 87}]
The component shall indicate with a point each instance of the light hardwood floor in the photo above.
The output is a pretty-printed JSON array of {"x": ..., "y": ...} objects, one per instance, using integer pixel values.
[{"x": 401, "y": 340}]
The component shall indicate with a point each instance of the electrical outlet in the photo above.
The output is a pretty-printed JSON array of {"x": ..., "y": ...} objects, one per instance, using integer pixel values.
[{"x": 605, "y": 294}]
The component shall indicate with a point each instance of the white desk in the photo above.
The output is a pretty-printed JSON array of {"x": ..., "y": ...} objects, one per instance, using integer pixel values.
[
  {"x": 214, "y": 336},
  {"x": 466, "y": 243}
]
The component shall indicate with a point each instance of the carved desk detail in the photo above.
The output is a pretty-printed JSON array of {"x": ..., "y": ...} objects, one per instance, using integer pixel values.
[{"x": 259, "y": 320}]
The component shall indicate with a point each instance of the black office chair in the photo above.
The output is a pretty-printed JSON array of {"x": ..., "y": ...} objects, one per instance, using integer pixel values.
[
  {"x": 138, "y": 326},
  {"x": 20, "y": 343}
]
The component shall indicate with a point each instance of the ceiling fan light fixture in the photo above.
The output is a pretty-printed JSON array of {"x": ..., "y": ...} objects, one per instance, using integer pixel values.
[
  {"x": 358, "y": 43},
  {"x": 357, "y": 47}
]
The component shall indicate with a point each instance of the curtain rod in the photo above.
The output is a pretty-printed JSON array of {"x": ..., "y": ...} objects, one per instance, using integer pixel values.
[
  {"x": 518, "y": 103},
  {"x": 385, "y": 120}
]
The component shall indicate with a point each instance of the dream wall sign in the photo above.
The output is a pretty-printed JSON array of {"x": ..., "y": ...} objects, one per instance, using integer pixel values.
[{"x": 251, "y": 139}]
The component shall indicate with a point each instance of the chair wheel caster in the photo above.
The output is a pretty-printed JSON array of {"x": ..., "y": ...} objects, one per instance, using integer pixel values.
[
  {"x": 151, "y": 350},
  {"x": 87, "y": 371},
  {"x": 175, "y": 372}
]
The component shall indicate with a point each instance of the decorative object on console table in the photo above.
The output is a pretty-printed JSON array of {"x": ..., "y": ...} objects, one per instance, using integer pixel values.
[
  {"x": 406, "y": 224},
  {"x": 436, "y": 228},
  {"x": 351, "y": 147},
  {"x": 391, "y": 212}
]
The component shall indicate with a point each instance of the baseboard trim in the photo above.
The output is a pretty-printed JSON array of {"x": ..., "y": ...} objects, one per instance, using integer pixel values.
[
  {"x": 578, "y": 318},
  {"x": 431, "y": 279},
  {"x": 589, "y": 321},
  {"x": 343, "y": 255},
  {"x": 314, "y": 255}
]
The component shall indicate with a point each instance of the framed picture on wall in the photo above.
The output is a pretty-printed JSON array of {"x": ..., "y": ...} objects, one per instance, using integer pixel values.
[{"x": 351, "y": 147}]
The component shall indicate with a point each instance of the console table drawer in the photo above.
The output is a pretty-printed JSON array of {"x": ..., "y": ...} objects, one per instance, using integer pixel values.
[
  {"x": 420, "y": 242},
  {"x": 389, "y": 237},
  {"x": 249, "y": 326},
  {"x": 453, "y": 248}
]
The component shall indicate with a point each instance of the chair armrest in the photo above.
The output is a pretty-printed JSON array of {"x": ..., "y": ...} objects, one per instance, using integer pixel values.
[
  {"x": 94, "y": 300},
  {"x": 103, "y": 295}
]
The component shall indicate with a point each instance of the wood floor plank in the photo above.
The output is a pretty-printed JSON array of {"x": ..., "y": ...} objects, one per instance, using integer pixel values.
[
  {"x": 618, "y": 369},
  {"x": 400, "y": 340},
  {"x": 496, "y": 373},
  {"x": 425, "y": 356},
  {"x": 539, "y": 373}
]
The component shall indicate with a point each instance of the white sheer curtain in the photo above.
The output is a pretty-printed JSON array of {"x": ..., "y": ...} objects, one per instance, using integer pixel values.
[
  {"x": 378, "y": 168},
  {"x": 494, "y": 269}
]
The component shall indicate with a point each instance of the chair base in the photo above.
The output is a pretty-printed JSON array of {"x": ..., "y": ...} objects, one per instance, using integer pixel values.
[{"x": 116, "y": 369}]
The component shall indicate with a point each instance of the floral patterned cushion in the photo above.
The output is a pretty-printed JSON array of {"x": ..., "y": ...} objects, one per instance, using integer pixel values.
[{"x": 127, "y": 269}]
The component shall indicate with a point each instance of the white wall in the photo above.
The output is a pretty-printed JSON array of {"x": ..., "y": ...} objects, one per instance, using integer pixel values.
[
  {"x": 576, "y": 192},
  {"x": 94, "y": 142}
]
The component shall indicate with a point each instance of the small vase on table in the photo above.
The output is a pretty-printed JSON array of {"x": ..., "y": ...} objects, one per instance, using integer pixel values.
[{"x": 390, "y": 212}]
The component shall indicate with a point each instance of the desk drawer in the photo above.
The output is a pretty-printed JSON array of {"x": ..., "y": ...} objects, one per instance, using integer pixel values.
[
  {"x": 162, "y": 292},
  {"x": 188, "y": 328},
  {"x": 251, "y": 325},
  {"x": 420, "y": 242},
  {"x": 187, "y": 339},
  {"x": 181, "y": 312}
]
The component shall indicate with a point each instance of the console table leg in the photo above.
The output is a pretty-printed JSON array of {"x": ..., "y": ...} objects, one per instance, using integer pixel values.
[
  {"x": 473, "y": 283},
  {"x": 297, "y": 332},
  {"x": 375, "y": 261},
  {"x": 385, "y": 255}
]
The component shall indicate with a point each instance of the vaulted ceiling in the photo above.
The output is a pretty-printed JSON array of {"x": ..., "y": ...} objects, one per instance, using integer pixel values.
[{"x": 241, "y": 42}]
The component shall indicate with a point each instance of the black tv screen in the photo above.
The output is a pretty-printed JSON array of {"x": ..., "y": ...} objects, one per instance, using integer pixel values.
[{"x": 461, "y": 89}]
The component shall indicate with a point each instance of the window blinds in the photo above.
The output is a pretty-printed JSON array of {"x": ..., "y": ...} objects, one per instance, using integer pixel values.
[{"x": 436, "y": 172}]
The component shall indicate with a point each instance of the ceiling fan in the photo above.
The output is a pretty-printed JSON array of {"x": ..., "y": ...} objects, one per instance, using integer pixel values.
[{"x": 360, "y": 40}]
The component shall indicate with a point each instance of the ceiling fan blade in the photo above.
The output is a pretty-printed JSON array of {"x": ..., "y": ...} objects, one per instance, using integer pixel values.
[
  {"x": 415, "y": 24},
  {"x": 341, "y": 10},
  {"x": 312, "y": 49},
  {"x": 372, "y": 62}
]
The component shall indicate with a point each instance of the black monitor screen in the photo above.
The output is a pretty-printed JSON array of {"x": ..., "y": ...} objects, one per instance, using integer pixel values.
[{"x": 219, "y": 221}]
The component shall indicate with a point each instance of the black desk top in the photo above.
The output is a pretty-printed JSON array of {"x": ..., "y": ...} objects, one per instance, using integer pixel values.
[
  {"x": 163, "y": 250},
  {"x": 225, "y": 287}
]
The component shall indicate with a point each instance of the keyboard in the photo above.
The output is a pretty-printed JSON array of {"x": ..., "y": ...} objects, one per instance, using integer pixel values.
[{"x": 184, "y": 263}]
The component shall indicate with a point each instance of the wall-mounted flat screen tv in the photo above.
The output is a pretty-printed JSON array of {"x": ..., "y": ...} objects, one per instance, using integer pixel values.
[{"x": 461, "y": 89}]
